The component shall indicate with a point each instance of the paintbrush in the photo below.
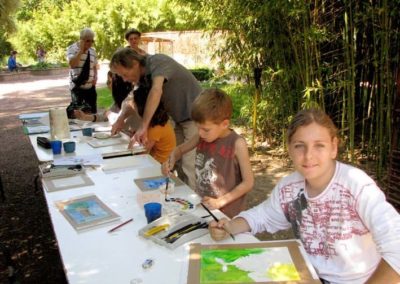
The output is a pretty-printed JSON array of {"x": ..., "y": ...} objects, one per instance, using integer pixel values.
[
  {"x": 167, "y": 181},
  {"x": 166, "y": 189},
  {"x": 216, "y": 219}
]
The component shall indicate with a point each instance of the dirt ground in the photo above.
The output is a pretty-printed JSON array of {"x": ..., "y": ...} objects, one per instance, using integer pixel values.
[{"x": 25, "y": 226}]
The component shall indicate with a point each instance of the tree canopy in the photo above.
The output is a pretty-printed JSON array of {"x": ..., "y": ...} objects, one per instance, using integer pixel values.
[
  {"x": 339, "y": 55},
  {"x": 55, "y": 24}
]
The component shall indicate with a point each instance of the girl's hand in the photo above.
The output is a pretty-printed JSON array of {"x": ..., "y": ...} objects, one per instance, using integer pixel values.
[
  {"x": 212, "y": 203},
  {"x": 217, "y": 231}
]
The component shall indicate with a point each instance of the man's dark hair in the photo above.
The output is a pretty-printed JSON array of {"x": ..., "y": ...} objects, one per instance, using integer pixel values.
[
  {"x": 132, "y": 31},
  {"x": 119, "y": 89},
  {"x": 125, "y": 57}
]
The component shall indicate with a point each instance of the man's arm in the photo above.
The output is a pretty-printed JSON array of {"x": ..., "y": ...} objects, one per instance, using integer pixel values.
[
  {"x": 74, "y": 61},
  {"x": 153, "y": 100}
]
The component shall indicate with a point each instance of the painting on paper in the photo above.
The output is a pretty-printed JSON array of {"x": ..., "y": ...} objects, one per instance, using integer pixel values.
[{"x": 264, "y": 262}]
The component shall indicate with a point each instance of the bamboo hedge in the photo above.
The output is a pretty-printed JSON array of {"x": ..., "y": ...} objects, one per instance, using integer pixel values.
[{"x": 340, "y": 55}]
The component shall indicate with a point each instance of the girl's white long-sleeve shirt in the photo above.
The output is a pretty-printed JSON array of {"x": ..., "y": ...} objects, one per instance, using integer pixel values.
[{"x": 345, "y": 230}]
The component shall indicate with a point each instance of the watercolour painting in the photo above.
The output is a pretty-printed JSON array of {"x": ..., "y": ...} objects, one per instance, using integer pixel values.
[
  {"x": 155, "y": 183},
  {"x": 264, "y": 262},
  {"x": 85, "y": 212}
]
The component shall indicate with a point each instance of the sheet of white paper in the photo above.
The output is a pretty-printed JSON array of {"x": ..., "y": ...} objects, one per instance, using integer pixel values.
[
  {"x": 37, "y": 129},
  {"x": 93, "y": 159},
  {"x": 102, "y": 128},
  {"x": 33, "y": 115},
  {"x": 112, "y": 117},
  {"x": 68, "y": 181}
]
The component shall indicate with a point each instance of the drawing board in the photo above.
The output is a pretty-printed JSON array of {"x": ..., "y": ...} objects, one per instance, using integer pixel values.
[
  {"x": 105, "y": 142},
  {"x": 61, "y": 183},
  {"x": 263, "y": 262},
  {"x": 84, "y": 212}
]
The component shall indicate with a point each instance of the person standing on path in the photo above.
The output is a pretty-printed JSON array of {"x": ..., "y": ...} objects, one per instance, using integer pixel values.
[{"x": 82, "y": 59}]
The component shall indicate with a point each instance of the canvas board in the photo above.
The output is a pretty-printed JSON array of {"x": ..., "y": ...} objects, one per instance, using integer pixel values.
[
  {"x": 126, "y": 163},
  {"x": 62, "y": 183},
  {"x": 262, "y": 262},
  {"x": 86, "y": 212},
  {"x": 155, "y": 183}
]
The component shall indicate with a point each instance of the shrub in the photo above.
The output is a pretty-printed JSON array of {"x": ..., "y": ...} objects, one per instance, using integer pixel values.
[{"x": 202, "y": 74}]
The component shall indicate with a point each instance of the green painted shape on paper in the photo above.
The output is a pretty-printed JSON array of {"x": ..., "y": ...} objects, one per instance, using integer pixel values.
[
  {"x": 211, "y": 271},
  {"x": 283, "y": 272},
  {"x": 230, "y": 255}
]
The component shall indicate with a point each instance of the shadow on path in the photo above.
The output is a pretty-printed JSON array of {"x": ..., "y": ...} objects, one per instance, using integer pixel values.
[{"x": 25, "y": 226}]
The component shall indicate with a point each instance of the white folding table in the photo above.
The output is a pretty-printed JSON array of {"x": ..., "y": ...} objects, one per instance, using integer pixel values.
[{"x": 96, "y": 256}]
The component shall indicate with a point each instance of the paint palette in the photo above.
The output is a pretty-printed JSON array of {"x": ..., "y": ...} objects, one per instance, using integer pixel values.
[{"x": 178, "y": 203}]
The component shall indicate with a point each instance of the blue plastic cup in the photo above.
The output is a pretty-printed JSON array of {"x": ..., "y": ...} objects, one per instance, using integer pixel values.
[
  {"x": 56, "y": 146},
  {"x": 69, "y": 147},
  {"x": 87, "y": 131},
  {"x": 152, "y": 211}
]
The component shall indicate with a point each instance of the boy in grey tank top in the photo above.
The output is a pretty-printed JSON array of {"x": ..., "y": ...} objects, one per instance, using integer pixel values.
[{"x": 223, "y": 170}]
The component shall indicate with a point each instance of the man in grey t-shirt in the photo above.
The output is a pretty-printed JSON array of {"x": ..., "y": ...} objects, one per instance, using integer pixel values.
[{"x": 173, "y": 84}]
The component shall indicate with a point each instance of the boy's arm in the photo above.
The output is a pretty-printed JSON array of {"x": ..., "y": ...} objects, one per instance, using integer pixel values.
[
  {"x": 178, "y": 152},
  {"x": 242, "y": 155},
  {"x": 188, "y": 145}
]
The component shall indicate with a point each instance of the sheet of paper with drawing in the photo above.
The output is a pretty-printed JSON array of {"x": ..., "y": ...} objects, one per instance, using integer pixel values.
[
  {"x": 156, "y": 183},
  {"x": 85, "y": 212},
  {"x": 264, "y": 262}
]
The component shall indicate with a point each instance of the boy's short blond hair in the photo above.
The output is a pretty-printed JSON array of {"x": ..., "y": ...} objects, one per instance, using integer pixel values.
[{"x": 212, "y": 105}]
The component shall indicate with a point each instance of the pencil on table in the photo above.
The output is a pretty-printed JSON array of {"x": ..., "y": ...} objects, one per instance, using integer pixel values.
[{"x": 120, "y": 225}]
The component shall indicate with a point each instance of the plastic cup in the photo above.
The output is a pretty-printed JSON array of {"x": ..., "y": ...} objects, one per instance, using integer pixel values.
[
  {"x": 87, "y": 131},
  {"x": 69, "y": 147},
  {"x": 152, "y": 211},
  {"x": 56, "y": 146}
]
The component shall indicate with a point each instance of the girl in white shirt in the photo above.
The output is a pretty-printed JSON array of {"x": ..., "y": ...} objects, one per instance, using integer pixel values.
[{"x": 348, "y": 229}]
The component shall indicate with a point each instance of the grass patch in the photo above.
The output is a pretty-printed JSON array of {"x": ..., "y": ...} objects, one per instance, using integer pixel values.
[
  {"x": 241, "y": 97},
  {"x": 104, "y": 98}
]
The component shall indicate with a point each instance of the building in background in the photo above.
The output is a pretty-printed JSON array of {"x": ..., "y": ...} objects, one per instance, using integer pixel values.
[{"x": 193, "y": 49}]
